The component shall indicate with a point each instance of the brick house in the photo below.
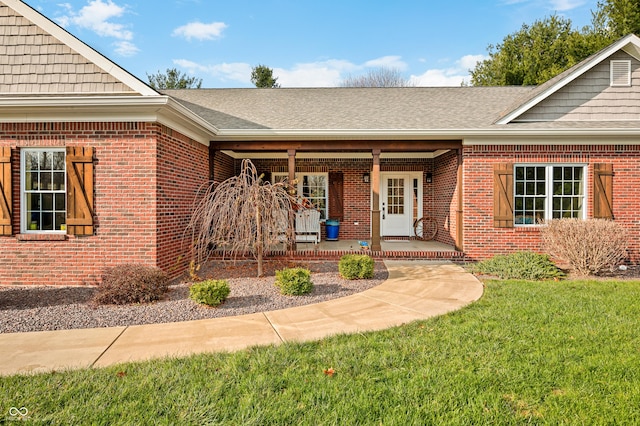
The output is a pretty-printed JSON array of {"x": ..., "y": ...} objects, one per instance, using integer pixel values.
[{"x": 98, "y": 169}]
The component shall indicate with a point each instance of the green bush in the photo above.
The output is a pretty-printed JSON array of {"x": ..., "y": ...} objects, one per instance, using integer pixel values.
[
  {"x": 294, "y": 281},
  {"x": 130, "y": 283},
  {"x": 521, "y": 265},
  {"x": 210, "y": 292},
  {"x": 356, "y": 266}
]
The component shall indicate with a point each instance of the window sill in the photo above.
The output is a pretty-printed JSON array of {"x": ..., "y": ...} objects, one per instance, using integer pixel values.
[{"x": 41, "y": 237}]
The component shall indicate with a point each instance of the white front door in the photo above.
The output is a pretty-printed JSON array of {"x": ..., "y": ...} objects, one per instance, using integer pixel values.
[{"x": 399, "y": 203}]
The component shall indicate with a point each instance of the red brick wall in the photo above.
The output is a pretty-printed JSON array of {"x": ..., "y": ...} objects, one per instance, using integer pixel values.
[
  {"x": 223, "y": 167},
  {"x": 357, "y": 194},
  {"x": 445, "y": 198},
  {"x": 183, "y": 171},
  {"x": 126, "y": 190},
  {"x": 482, "y": 240}
]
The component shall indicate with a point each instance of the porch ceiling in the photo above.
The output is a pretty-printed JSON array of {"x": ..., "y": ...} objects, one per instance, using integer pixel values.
[{"x": 333, "y": 154}]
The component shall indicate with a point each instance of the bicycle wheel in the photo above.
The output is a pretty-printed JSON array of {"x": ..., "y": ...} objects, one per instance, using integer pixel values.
[{"x": 425, "y": 228}]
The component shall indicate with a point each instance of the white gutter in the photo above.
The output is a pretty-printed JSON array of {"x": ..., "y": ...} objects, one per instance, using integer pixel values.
[
  {"x": 162, "y": 109},
  {"x": 228, "y": 135}
]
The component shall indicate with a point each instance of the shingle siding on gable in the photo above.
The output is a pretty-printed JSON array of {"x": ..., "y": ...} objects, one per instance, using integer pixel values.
[
  {"x": 34, "y": 62},
  {"x": 590, "y": 97}
]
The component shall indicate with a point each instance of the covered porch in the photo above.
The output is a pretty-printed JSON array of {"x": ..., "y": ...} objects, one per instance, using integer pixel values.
[{"x": 376, "y": 189}]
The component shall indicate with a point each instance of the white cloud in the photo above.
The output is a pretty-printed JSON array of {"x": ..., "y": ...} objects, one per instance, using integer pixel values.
[
  {"x": 452, "y": 76},
  {"x": 564, "y": 5},
  {"x": 330, "y": 73},
  {"x": 314, "y": 74},
  {"x": 236, "y": 71},
  {"x": 327, "y": 73},
  {"x": 394, "y": 62},
  {"x": 200, "y": 31},
  {"x": 97, "y": 16},
  {"x": 470, "y": 61},
  {"x": 126, "y": 48}
]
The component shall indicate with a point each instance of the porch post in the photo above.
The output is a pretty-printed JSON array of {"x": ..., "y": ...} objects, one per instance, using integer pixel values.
[
  {"x": 375, "y": 206},
  {"x": 460, "y": 207},
  {"x": 291, "y": 155}
]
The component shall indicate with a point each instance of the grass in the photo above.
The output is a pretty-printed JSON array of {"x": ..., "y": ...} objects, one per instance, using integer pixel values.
[{"x": 527, "y": 352}]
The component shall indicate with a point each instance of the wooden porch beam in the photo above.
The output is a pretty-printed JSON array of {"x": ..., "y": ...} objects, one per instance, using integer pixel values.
[
  {"x": 375, "y": 203},
  {"x": 339, "y": 146}
]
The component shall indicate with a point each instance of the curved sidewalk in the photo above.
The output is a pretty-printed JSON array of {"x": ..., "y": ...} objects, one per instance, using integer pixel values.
[{"x": 415, "y": 290}]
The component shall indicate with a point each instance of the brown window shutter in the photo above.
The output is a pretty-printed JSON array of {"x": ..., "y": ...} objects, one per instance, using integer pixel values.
[
  {"x": 80, "y": 190},
  {"x": 603, "y": 191},
  {"x": 5, "y": 191},
  {"x": 336, "y": 196},
  {"x": 503, "y": 195}
]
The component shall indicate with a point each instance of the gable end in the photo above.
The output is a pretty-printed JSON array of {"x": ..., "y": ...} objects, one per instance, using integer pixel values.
[
  {"x": 610, "y": 91},
  {"x": 38, "y": 57}
]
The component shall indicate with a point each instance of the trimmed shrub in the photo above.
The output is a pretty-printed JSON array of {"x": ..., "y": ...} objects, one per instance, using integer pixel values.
[
  {"x": 588, "y": 246},
  {"x": 356, "y": 266},
  {"x": 521, "y": 265},
  {"x": 210, "y": 292},
  {"x": 294, "y": 281},
  {"x": 130, "y": 283}
]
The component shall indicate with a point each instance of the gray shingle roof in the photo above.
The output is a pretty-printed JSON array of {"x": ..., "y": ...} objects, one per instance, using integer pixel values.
[{"x": 409, "y": 108}]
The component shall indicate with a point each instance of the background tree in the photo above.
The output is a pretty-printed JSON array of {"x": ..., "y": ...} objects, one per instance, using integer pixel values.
[
  {"x": 617, "y": 18},
  {"x": 534, "y": 54},
  {"x": 241, "y": 215},
  {"x": 378, "y": 77},
  {"x": 262, "y": 77},
  {"x": 173, "y": 79}
]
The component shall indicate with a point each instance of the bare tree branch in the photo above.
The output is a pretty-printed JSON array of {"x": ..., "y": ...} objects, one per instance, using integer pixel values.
[{"x": 243, "y": 214}]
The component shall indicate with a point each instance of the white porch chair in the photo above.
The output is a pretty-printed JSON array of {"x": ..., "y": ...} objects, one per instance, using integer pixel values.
[{"x": 308, "y": 226}]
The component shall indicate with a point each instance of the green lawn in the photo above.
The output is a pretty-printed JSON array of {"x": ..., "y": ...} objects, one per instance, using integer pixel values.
[{"x": 527, "y": 352}]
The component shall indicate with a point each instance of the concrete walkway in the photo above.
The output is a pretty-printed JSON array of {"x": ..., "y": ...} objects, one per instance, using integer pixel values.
[{"x": 415, "y": 290}]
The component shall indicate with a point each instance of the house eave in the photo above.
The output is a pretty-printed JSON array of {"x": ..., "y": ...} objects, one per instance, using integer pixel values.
[
  {"x": 225, "y": 135},
  {"x": 161, "y": 109}
]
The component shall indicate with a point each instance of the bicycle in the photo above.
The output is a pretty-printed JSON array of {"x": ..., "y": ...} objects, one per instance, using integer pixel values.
[{"x": 425, "y": 228}]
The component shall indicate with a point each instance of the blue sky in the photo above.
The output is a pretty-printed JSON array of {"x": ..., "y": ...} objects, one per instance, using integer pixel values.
[{"x": 306, "y": 43}]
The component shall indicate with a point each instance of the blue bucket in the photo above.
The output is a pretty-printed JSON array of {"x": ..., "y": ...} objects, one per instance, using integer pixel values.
[{"x": 333, "y": 228}]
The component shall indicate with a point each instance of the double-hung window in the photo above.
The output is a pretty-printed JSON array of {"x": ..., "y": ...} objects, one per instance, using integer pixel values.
[
  {"x": 44, "y": 192},
  {"x": 312, "y": 187},
  {"x": 543, "y": 192}
]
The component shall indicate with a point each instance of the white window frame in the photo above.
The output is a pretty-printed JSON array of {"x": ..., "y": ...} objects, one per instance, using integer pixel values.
[
  {"x": 24, "y": 193},
  {"x": 278, "y": 177},
  {"x": 549, "y": 195}
]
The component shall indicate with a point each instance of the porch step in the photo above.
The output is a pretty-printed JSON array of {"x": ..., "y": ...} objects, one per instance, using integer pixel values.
[{"x": 454, "y": 256}]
